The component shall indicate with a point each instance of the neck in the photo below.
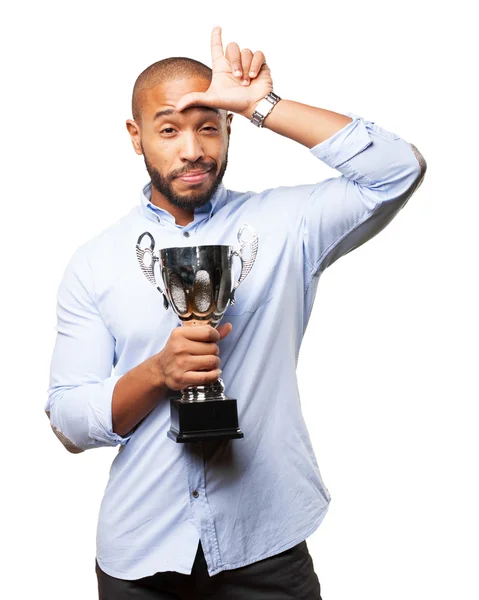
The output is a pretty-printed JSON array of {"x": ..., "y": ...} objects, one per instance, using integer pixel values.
[{"x": 182, "y": 216}]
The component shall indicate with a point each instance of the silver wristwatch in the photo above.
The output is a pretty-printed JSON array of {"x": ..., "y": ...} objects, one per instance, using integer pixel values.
[{"x": 263, "y": 108}]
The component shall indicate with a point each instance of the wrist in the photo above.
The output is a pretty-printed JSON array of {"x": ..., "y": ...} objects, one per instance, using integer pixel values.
[
  {"x": 262, "y": 108},
  {"x": 248, "y": 113},
  {"x": 156, "y": 372}
]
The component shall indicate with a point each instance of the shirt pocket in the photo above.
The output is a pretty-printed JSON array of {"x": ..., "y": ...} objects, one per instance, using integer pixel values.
[
  {"x": 245, "y": 306},
  {"x": 251, "y": 295}
]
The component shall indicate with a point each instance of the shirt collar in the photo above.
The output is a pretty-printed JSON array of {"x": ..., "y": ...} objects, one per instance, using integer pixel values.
[{"x": 155, "y": 213}]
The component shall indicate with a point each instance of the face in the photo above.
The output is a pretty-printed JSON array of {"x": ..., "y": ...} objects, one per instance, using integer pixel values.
[{"x": 185, "y": 153}]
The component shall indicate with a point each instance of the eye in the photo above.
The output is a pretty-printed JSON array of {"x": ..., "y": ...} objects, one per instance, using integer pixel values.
[
  {"x": 167, "y": 130},
  {"x": 210, "y": 128}
]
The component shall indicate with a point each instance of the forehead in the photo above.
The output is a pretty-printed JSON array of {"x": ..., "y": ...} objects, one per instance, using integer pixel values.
[{"x": 168, "y": 93}]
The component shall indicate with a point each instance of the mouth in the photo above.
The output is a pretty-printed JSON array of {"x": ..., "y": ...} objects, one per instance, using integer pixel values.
[{"x": 194, "y": 176}]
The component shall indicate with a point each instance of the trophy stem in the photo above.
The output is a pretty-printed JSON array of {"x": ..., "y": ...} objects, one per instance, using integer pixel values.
[{"x": 203, "y": 393}]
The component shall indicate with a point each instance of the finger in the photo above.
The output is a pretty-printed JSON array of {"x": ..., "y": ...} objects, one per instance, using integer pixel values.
[
  {"x": 201, "y": 333},
  {"x": 233, "y": 56},
  {"x": 216, "y": 44},
  {"x": 193, "y": 99},
  {"x": 202, "y": 348},
  {"x": 209, "y": 362},
  {"x": 224, "y": 330},
  {"x": 256, "y": 64},
  {"x": 201, "y": 377},
  {"x": 246, "y": 58}
]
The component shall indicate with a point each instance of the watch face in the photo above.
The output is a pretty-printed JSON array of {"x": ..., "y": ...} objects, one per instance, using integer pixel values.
[{"x": 264, "y": 107}]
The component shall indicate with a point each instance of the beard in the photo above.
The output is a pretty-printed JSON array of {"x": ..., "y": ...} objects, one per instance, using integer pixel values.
[{"x": 189, "y": 201}]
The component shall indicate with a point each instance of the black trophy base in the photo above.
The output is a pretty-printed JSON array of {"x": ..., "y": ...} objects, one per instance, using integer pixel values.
[{"x": 203, "y": 421}]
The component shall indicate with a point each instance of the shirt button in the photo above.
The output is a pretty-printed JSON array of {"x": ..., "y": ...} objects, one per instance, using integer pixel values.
[
  {"x": 195, "y": 494},
  {"x": 186, "y": 233}
]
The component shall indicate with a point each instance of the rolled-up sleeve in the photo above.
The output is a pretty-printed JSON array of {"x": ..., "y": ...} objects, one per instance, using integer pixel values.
[
  {"x": 81, "y": 380},
  {"x": 379, "y": 173}
]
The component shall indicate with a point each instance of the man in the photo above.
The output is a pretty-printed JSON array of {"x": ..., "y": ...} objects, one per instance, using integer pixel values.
[{"x": 222, "y": 520}]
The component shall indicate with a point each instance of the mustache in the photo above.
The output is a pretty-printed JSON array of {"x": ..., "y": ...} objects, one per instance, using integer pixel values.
[{"x": 193, "y": 167}]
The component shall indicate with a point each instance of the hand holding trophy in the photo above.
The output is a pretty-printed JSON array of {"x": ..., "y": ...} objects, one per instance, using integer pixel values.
[{"x": 197, "y": 284}]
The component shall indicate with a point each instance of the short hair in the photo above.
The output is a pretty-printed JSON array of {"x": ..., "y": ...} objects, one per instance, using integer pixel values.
[{"x": 168, "y": 69}]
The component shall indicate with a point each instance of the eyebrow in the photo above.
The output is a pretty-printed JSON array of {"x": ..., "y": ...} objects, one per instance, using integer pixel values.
[{"x": 172, "y": 111}]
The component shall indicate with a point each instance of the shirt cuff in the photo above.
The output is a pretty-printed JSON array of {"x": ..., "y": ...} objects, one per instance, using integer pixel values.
[
  {"x": 343, "y": 145},
  {"x": 101, "y": 428}
]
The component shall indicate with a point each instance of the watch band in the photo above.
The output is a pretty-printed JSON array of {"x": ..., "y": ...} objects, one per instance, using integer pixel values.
[{"x": 263, "y": 108}]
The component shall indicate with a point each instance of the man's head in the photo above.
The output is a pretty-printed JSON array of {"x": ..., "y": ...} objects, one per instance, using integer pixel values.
[{"x": 175, "y": 144}]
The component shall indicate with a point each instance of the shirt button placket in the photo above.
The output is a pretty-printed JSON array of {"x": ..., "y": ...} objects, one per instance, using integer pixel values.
[{"x": 201, "y": 508}]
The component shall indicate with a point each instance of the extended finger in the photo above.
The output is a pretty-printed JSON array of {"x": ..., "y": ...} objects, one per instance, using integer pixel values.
[
  {"x": 216, "y": 44},
  {"x": 258, "y": 61},
  {"x": 194, "y": 99},
  {"x": 246, "y": 58},
  {"x": 233, "y": 56}
]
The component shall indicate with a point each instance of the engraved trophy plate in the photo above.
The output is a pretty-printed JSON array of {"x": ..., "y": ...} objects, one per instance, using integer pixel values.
[{"x": 197, "y": 285}]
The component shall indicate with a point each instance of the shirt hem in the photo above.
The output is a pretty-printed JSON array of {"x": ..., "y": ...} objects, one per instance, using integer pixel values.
[
  {"x": 278, "y": 549},
  {"x": 227, "y": 566},
  {"x": 117, "y": 575}
]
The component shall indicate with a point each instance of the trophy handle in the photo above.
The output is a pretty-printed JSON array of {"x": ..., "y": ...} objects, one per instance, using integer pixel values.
[
  {"x": 246, "y": 264},
  {"x": 149, "y": 267}
]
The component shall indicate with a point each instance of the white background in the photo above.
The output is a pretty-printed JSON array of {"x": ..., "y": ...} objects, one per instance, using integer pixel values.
[{"x": 388, "y": 367}]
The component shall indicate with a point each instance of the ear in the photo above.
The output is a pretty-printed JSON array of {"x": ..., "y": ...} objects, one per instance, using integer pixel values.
[
  {"x": 229, "y": 118},
  {"x": 135, "y": 135}
]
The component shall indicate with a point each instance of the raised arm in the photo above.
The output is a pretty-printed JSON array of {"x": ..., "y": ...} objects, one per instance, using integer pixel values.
[{"x": 380, "y": 170}]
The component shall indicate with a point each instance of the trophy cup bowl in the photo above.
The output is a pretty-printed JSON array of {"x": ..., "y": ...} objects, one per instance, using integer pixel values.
[{"x": 198, "y": 287}]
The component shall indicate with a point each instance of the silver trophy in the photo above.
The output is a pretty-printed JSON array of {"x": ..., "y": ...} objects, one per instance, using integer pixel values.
[{"x": 197, "y": 284}]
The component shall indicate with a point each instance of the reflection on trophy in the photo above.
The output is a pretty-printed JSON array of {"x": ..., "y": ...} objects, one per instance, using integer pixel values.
[{"x": 197, "y": 284}]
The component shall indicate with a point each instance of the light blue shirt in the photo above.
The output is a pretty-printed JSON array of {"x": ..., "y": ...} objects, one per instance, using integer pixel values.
[{"x": 245, "y": 499}]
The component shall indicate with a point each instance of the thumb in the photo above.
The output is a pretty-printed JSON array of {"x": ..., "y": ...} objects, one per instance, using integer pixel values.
[
  {"x": 193, "y": 99},
  {"x": 224, "y": 330}
]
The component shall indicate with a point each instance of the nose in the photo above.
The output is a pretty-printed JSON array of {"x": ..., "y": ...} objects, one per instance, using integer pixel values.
[{"x": 191, "y": 149}]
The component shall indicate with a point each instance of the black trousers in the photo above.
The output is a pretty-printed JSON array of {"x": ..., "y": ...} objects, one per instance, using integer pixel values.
[{"x": 286, "y": 576}]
